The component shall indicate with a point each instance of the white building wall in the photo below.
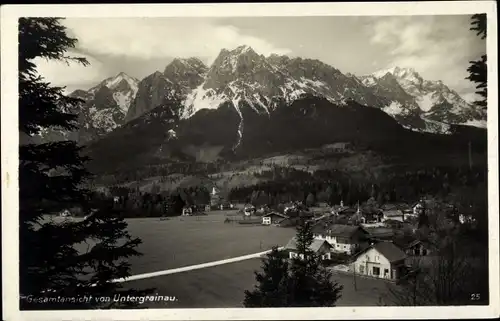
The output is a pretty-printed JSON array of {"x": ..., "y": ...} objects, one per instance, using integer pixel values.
[
  {"x": 366, "y": 263},
  {"x": 347, "y": 248}
]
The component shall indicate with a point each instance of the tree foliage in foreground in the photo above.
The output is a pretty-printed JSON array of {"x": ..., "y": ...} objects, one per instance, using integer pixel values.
[
  {"x": 71, "y": 259},
  {"x": 478, "y": 70}
]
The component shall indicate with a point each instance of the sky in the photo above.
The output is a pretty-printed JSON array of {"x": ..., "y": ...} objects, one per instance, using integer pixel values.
[{"x": 437, "y": 47}]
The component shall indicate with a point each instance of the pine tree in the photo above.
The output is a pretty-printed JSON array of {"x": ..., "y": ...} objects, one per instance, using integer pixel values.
[
  {"x": 51, "y": 177},
  {"x": 478, "y": 71},
  {"x": 310, "y": 282},
  {"x": 301, "y": 282},
  {"x": 272, "y": 283}
]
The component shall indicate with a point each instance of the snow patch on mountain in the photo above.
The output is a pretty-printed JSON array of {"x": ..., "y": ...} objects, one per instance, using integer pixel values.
[
  {"x": 236, "y": 102},
  {"x": 394, "y": 109},
  {"x": 476, "y": 123},
  {"x": 435, "y": 103},
  {"x": 426, "y": 102},
  {"x": 123, "y": 100},
  {"x": 201, "y": 98}
]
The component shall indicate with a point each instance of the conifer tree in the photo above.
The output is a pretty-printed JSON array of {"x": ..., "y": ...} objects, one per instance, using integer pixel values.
[
  {"x": 310, "y": 283},
  {"x": 53, "y": 261},
  {"x": 272, "y": 283},
  {"x": 478, "y": 71},
  {"x": 300, "y": 282}
]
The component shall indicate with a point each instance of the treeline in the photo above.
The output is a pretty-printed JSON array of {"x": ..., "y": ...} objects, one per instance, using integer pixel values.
[
  {"x": 135, "y": 203},
  {"x": 135, "y": 174},
  {"x": 330, "y": 186}
]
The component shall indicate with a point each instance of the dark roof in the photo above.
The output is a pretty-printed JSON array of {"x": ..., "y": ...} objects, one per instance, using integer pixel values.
[
  {"x": 379, "y": 231},
  {"x": 395, "y": 206},
  {"x": 390, "y": 251},
  {"x": 315, "y": 245},
  {"x": 336, "y": 229},
  {"x": 404, "y": 241},
  {"x": 348, "y": 210}
]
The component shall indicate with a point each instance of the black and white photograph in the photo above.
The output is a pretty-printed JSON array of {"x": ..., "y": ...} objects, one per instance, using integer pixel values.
[{"x": 245, "y": 157}]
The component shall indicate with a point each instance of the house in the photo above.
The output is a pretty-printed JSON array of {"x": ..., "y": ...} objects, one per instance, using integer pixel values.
[
  {"x": 418, "y": 208},
  {"x": 417, "y": 248},
  {"x": 319, "y": 247},
  {"x": 343, "y": 238},
  {"x": 381, "y": 260},
  {"x": 380, "y": 233},
  {"x": 287, "y": 222},
  {"x": 187, "y": 210},
  {"x": 290, "y": 207},
  {"x": 273, "y": 218},
  {"x": 207, "y": 208},
  {"x": 264, "y": 209},
  {"x": 393, "y": 214},
  {"x": 393, "y": 224},
  {"x": 249, "y": 210},
  {"x": 225, "y": 206}
]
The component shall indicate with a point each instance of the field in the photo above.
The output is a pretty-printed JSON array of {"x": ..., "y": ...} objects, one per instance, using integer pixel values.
[
  {"x": 184, "y": 241},
  {"x": 223, "y": 287},
  {"x": 189, "y": 240}
]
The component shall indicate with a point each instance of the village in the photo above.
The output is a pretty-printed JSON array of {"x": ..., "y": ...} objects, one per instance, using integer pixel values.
[{"x": 364, "y": 240}]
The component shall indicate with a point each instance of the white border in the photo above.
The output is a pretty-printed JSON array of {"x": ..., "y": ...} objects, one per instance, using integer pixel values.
[{"x": 10, "y": 140}]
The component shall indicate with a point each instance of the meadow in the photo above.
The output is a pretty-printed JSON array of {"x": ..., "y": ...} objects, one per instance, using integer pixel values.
[
  {"x": 189, "y": 240},
  {"x": 223, "y": 286}
]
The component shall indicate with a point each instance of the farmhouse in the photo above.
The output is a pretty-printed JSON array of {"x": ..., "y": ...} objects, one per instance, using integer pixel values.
[
  {"x": 319, "y": 247},
  {"x": 382, "y": 260},
  {"x": 273, "y": 218},
  {"x": 343, "y": 238}
]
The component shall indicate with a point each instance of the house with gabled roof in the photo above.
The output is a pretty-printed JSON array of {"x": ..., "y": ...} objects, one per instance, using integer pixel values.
[
  {"x": 381, "y": 260},
  {"x": 318, "y": 247},
  {"x": 273, "y": 218},
  {"x": 343, "y": 238}
]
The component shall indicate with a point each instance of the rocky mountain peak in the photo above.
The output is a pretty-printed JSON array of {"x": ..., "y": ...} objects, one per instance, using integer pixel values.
[{"x": 185, "y": 67}]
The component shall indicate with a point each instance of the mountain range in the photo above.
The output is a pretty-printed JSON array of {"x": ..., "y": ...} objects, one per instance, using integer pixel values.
[
  {"x": 263, "y": 83},
  {"x": 245, "y": 104}
]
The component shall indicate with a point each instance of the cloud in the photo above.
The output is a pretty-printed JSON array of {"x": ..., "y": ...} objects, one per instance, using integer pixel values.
[
  {"x": 109, "y": 44},
  {"x": 151, "y": 38},
  {"x": 438, "y": 47},
  {"x": 71, "y": 74}
]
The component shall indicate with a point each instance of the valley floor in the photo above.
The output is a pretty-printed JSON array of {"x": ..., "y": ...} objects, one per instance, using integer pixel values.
[
  {"x": 223, "y": 286},
  {"x": 184, "y": 241}
]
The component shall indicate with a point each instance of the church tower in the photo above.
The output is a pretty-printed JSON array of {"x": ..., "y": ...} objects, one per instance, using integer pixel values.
[{"x": 214, "y": 197}]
